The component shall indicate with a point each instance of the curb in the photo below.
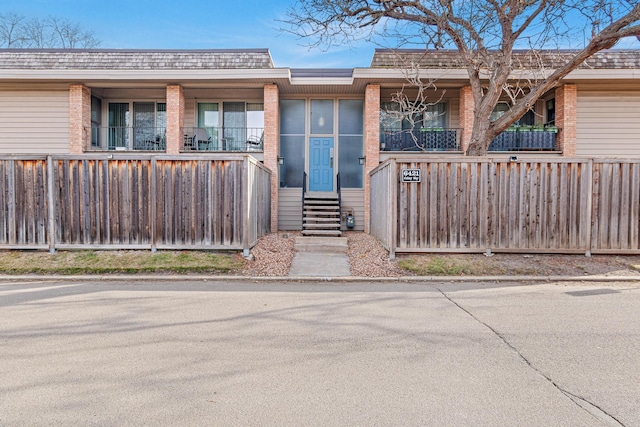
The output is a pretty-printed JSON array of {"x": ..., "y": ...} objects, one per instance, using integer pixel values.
[{"x": 348, "y": 279}]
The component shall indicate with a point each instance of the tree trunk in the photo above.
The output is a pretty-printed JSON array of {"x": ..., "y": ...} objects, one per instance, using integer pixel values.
[
  {"x": 480, "y": 135},
  {"x": 476, "y": 148}
]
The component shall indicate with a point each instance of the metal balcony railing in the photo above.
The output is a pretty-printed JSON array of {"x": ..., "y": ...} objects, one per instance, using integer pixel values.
[
  {"x": 119, "y": 138},
  {"x": 424, "y": 139},
  {"x": 526, "y": 138},
  {"x": 223, "y": 139}
]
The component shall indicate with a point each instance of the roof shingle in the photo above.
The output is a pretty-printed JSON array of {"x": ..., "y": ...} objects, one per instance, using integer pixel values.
[
  {"x": 37, "y": 59},
  {"x": 610, "y": 59}
]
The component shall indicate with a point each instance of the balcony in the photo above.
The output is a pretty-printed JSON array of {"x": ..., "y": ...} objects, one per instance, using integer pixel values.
[
  {"x": 127, "y": 138},
  {"x": 223, "y": 139},
  {"x": 425, "y": 139},
  {"x": 526, "y": 138}
]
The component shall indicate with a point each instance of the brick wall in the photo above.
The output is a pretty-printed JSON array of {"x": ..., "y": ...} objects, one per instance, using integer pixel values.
[
  {"x": 271, "y": 145},
  {"x": 175, "y": 118},
  {"x": 467, "y": 106},
  {"x": 566, "y": 118},
  {"x": 371, "y": 143},
  {"x": 79, "y": 117}
]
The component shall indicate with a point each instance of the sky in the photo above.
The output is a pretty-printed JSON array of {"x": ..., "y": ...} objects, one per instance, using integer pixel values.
[
  {"x": 194, "y": 24},
  {"x": 200, "y": 24}
]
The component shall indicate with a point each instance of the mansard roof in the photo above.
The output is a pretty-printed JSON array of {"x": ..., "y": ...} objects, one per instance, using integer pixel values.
[
  {"x": 609, "y": 59},
  {"x": 116, "y": 59}
]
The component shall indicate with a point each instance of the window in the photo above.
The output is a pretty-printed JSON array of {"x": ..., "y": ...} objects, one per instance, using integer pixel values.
[
  {"x": 551, "y": 112},
  {"x": 292, "y": 140},
  {"x": 96, "y": 121},
  {"x": 428, "y": 116},
  {"x": 528, "y": 119},
  {"x": 524, "y": 134},
  {"x": 118, "y": 131},
  {"x": 235, "y": 126},
  {"x": 422, "y": 130},
  {"x": 322, "y": 117},
  {"x": 145, "y": 129},
  {"x": 350, "y": 143}
]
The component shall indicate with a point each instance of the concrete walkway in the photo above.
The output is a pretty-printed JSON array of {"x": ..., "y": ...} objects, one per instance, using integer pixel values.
[{"x": 320, "y": 257}]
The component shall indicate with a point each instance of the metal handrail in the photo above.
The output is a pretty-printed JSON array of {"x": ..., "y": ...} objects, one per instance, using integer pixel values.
[
  {"x": 304, "y": 187},
  {"x": 526, "y": 138},
  {"x": 128, "y": 138},
  {"x": 339, "y": 193},
  {"x": 223, "y": 138},
  {"x": 420, "y": 139}
]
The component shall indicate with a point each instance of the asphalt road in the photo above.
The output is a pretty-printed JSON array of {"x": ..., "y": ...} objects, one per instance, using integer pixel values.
[{"x": 319, "y": 354}]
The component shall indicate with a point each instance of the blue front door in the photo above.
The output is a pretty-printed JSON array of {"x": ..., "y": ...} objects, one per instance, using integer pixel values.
[{"x": 321, "y": 164}]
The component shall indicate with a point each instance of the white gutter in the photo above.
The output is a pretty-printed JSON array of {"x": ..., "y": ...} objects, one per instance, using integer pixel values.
[
  {"x": 322, "y": 81},
  {"x": 461, "y": 74}
]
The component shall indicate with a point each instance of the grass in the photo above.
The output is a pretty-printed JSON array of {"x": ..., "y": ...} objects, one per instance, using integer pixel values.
[
  {"x": 108, "y": 262},
  {"x": 451, "y": 265}
]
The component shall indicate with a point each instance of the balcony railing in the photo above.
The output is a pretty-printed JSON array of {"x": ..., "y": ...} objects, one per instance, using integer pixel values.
[
  {"x": 425, "y": 139},
  {"x": 128, "y": 138},
  {"x": 526, "y": 138},
  {"x": 223, "y": 139}
]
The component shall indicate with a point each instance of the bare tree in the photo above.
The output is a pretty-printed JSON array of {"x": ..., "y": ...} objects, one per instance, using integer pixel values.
[
  {"x": 11, "y": 30},
  {"x": 16, "y": 31},
  {"x": 70, "y": 35},
  {"x": 486, "y": 34}
]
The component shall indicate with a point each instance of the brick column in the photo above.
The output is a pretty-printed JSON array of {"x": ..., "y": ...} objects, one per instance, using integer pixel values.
[
  {"x": 271, "y": 145},
  {"x": 566, "y": 118},
  {"x": 371, "y": 144},
  {"x": 79, "y": 118},
  {"x": 467, "y": 107},
  {"x": 175, "y": 118}
]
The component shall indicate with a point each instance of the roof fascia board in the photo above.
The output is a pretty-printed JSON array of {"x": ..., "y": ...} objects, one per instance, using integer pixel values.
[
  {"x": 458, "y": 73},
  {"x": 322, "y": 81},
  {"x": 398, "y": 73}
]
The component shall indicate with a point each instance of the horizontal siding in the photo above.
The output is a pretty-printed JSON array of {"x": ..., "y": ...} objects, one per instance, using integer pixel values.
[
  {"x": 353, "y": 198},
  {"x": 34, "y": 122},
  {"x": 136, "y": 94},
  {"x": 290, "y": 209},
  {"x": 190, "y": 117},
  {"x": 454, "y": 109},
  {"x": 608, "y": 123}
]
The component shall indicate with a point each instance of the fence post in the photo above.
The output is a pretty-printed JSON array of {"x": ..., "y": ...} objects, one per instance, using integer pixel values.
[
  {"x": 590, "y": 186},
  {"x": 393, "y": 207},
  {"x": 153, "y": 199},
  {"x": 11, "y": 201},
  {"x": 51, "y": 205},
  {"x": 245, "y": 207}
]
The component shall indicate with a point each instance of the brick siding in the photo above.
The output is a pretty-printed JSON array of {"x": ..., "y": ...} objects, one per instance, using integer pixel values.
[
  {"x": 79, "y": 117},
  {"x": 371, "y": 144},
  {"x": 467, "y": 107},
  {"x": 175, "y": 118},
  {"x": 566, "y": 118},
  {"x": 271, "y": 139}
]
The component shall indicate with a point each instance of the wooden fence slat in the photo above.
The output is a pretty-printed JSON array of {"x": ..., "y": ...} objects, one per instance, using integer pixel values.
[{"x": 557, "y": 206}]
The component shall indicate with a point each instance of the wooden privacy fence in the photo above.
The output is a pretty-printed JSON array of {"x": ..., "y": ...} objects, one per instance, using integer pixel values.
[
  {"x": 577, "y": 205},
  {"x": 133, "y": 202}
]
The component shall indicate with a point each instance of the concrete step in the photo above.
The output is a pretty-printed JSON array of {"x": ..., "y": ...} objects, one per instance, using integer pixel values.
[{"x": 321, "y": 243}]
